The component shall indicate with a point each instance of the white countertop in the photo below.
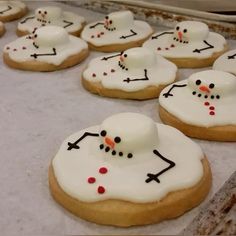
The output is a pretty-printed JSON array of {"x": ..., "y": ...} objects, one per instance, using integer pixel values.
[{"x": 37, "y": 112}]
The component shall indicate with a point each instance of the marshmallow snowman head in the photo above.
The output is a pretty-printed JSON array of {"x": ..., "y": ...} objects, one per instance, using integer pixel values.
[
  {"x": 50, "y": 36},
  {"x": 190, "y": 31},
  {"x": 118, "y": 20},
  {"x": 48, "y": 13},
  {"x": 212, "y": 84},
  {"x": 124, "y": 134},
  {"x": 137, "y": 58}
]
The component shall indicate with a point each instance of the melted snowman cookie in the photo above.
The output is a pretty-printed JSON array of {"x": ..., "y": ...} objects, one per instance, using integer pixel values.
[
  {"x": 202, "y": 106},
  {"x": 117, "y": 32},
  {"x": 12, "y": 10},
  {"x": 226, "y": 62},
  {"x": 190, "y": 44},
  {"x": 48, "y": 48},
  {"x": 122, "y": 168},
  {"x": 50, "y": 15},
  {"x": 136, "y": 73},
  {"x": 2, "y": 29}
]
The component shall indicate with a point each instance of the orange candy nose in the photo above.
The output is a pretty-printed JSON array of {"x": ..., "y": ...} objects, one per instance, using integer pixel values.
[
  {"x": 204, "y": 89},
  {"x": 121, "y": 58},
  {"x": 109, "y": 142},
  {"x": 180, "y": 34}
]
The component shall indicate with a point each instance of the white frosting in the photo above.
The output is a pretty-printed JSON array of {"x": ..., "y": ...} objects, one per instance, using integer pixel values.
[
  {"x": 134, "y": 61},
  {"x": 13, "y": 6},
  {"x": 125, "y": 177},
  {"x": 226, "y": 62},
  {"x": 49, "y": 15},
  {"x": 186, "y": 105},
  {"x": 45, "y": 39},
  {"x": 188, "y": 36},
  {"x": 114, "y": 26}
]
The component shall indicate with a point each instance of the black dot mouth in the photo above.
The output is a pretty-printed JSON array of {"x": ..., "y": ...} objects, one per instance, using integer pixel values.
[
  {"x": 205, "y": 95},
  {"x": 122, "y": 66},
  {"x": 113, "y": 152}
]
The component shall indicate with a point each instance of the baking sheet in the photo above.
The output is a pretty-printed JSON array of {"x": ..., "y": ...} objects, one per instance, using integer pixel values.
[{"x": 37, "y": 112}]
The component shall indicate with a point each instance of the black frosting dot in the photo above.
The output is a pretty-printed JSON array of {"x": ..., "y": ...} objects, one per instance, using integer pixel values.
[
  {"x": 199, "y": 95},
  {"x": 198, "y": 82},
  {"x": 205, "y": 96},
  {"x": 185, "y": 30},
  {"x": 194, "y": 92},
  {"x": 218, "y": 96},
  {"x": 177, "y": 28},
  {"x": 113, "y": 153},
  {"x": 125, "y": 55},
  {"x": 211, "y": 86},
  {"x": 107, "y": 149},
  {"x": 101, "y": 146},
  {"x": 130, "y": 155},
  {"x": 117, "y": 139},
  {"x": 120, "y": 154},
  {"x": 212, "y": 96},
  {"x": 103, "y": 133}
]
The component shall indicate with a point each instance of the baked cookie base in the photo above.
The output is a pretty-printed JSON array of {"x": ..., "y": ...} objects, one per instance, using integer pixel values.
[
  {"x": 21, "y": 33},
  {"x": 144, "y": 94},
  {"x": 43, "y": 66},
  {"x": 2, "y": 30},
  {"x": 15, "y": 16},
  {"x": 118, "y": 47},
  {"x": 196, "y": 62},
  {"x": 124, "y": 214},
  {"x": 215, "y": 133}
]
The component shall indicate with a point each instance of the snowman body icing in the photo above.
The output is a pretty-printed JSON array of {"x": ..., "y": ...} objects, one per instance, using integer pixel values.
[
  {"x": 11, "y": 7},
  {"x": 50, "y": 44},
  {"x": 51, "y": 15},
  {"x": 226, "y": 62},
  {"x": 116, "y": 28},
  {"x": 131, "y": 70},
  {"x": 206, "y": 99},
  {"x": 128, "y": 157},
  {"x": 189, "y": 39}
]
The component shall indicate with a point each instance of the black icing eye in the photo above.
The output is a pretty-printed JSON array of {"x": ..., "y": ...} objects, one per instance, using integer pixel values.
[
  {"x": 117, "y": 139},
  {"x": 198, "y": 82},
  {"x": 103, "y": 133},
  {"x": 185, "y": 30},
  {"x": 45, "y": 13},
  {"x": 106, "y": 17},
  {"x": 39, "y": 12},
  {"x": 125, "y": 55},
  {"x": 211, "y": 86},
  {"x": 110, "y": 21},
  {"x": 177, "y": 28},
  {"x": 35, "y": 35}
]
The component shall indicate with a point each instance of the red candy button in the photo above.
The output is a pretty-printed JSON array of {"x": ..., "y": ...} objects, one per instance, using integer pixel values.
[
  {"x": 212, "y": 113},
  {"x": 212, "y": 108},
  {"x": 103, "y": 170},
  {"x": 91, "y": 180},
  {"x": 206, "y": 103},
  {"x": 101, "y": 190}
]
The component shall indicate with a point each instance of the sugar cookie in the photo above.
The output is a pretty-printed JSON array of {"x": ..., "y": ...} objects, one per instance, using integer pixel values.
[
  {"x": 49, "y": 48},
  {"x": 203, "y": 106},
  {"x": 129, "y": 171},
  {"x": 226, "y": 62},
  {"x": 12, "y": 10},
  {"x": 117, "y": 32},
  {"x": 136, "y": 73},
  {"x": 2, "y": 29},
  {"x": 190, "y": 44},
  {"x": 51, "y": 15}
]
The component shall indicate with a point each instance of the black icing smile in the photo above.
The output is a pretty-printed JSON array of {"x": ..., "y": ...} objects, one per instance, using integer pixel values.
[
  {"x": 181, "y": 39},
  {"x": 121, "y": 63},
  {"x": 108, "y": 148},
  {"x": 107, "y": 24}
]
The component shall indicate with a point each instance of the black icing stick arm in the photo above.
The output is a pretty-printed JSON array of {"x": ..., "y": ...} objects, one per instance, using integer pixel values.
[
  {"x": 112, "y": 56},
  {"x": 167, "y": 94},
  {"x": 144, "y": 78},
  {"x": 232, "y": 56},
  {"x": 95, "y": 25},
  {"x": 161, "y": 34},
  {"x": 68, "y": 23},
  {"x": 8, "y": 9},
  {"x": 154, "y": 177},
  {"x": 133, "y": 33},
  {"x": 27, "y": 19},
  {"x": 36, "y": 55},
  {"x": 209, "y": 46},
  {"x": 75, "y": 146}
]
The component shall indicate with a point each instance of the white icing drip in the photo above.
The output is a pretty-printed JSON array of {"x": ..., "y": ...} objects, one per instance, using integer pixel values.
[
  {"x": 53, "y": 16},
  {"x": 122, "y": 24},
  {"x": 16, "y": 6},
  {"x": 191, "y": 109},
  {"x": 226, "y": 64},
  {"x": 181, "y": 44},
  {"x": 125, "y": 179},
  {"x": 159, "y": 71},
  {"x": 47, "y": 38}
]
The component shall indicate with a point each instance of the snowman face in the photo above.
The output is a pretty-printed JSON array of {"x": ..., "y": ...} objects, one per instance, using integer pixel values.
[
  {"x": 189, "y": 31},
  {"x": 118, "y": 20},
  {"x": 48, "y": 13},
  {"x": 139, "y": 57},
  {"x": 123, "y": 133},
  {"x": 212, "y": 84}
]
